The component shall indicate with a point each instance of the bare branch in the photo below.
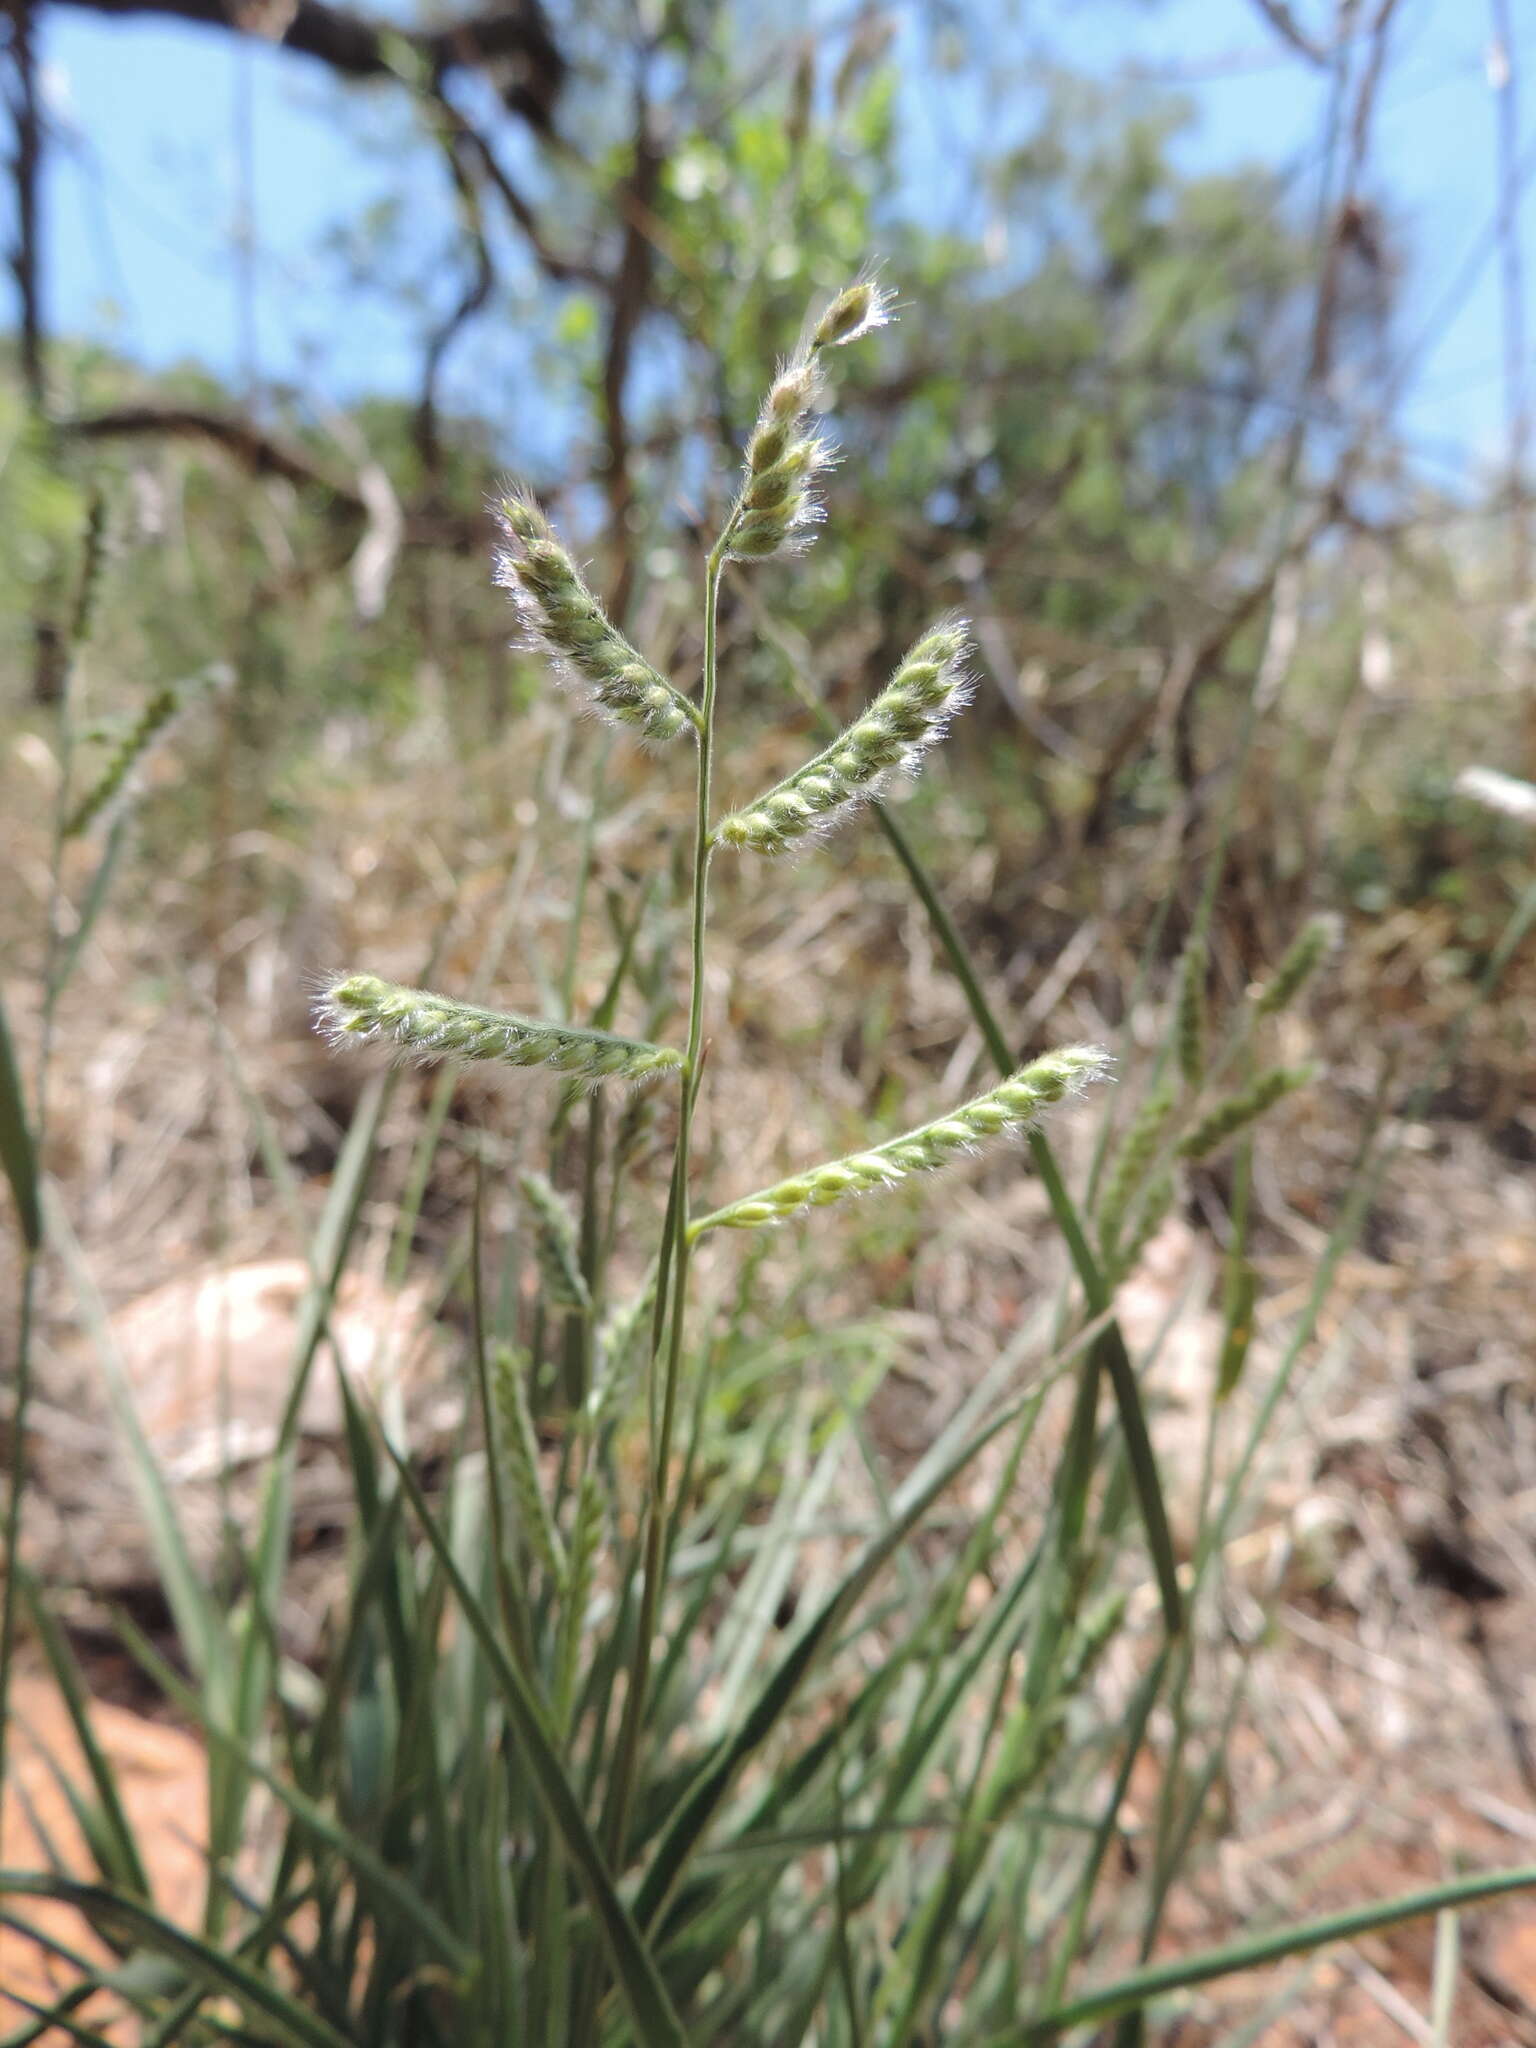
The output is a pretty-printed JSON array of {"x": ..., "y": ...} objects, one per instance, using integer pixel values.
[
  {"x": 471, "y": 300},
  {"x": 26, "y": 262},
  {"x": 562, "y": 269},
  {"x": 630, "y": 298},
  {"x": 251, "y": 446},
  {"x": 512, "y": 40},
  {"x": 263, "y": 455},
  {"x": 1291, "y": 32}
]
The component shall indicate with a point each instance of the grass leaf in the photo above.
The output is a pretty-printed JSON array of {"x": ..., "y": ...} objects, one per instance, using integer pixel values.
[
  {"x": 1252, "y": 1951},
  {"x": 129, "y": 1920},
  {"x": 656, "y": 2023},
  {"x": 17, "y": 1153}
]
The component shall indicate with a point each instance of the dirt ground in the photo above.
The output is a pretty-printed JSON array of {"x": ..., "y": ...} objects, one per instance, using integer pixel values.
[{"x": 1392, "y": 1732}]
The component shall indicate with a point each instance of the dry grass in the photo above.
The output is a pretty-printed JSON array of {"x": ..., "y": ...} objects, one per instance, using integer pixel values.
[{"x": 1393, "y": 1712}]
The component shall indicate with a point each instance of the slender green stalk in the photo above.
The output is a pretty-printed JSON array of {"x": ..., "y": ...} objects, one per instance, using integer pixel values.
[
  {"x": 1110, "y": 1350},
  {"x": 55, "y": 966},
  {"x": 16, "y": 1480},
  {"x": 1077, "y": 1919},
  {"x": 1142, "y": 1986},
  {"x": 675, "y": 1250}
]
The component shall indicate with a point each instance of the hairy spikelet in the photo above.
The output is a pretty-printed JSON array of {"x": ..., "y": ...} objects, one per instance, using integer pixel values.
[
  {"x": 1306, "y": 953},
  {"x": 1189, "y": 1013},
  {"x": 562, "y": 618},
  {"x": 858, "y": 309},
  {"x": 1235, "y": 1112},
  {"x": 619, "y": 1345},
  {"x": 586, "y": 1535},
  {"x": 778, "y": 502},
  {"x": 421, "y": 1025},
  {"x": 162, "y": 711},
  {"x": 517, "y": 1454},
  {"x": 1145, "y": 1224},
  {"x": 1134, "y": 1160},
  {"x": 93, "y": 559},
  {"x": 1008, "y": 1107},
  {"x": 555, "y": 1245},
  {"x": 908, "y": 716}
]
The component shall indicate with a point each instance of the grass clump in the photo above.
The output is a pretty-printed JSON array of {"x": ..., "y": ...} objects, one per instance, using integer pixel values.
[{"x": 645, "y": 1727}]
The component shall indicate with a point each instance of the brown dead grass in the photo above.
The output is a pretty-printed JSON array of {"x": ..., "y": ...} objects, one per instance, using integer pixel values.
[{"x": 1391, "y": 1736}]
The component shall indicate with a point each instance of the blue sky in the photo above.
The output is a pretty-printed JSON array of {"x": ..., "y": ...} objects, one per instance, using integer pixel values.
[{"x": 170, "y": 126}]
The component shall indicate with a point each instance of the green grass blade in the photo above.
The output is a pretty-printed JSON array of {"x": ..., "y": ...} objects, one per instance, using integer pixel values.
[
  {"x": 656, "y": 2024},
  {"x": 18, "y": 1156},
  {"x": 86, "y": 1986},
  {"x": 122, "y": 1864},
  {"x": 778, "y": 1848},
  {"x": 132, "y": 1922},
  {"x": 1254, "y": 1951},
  {"x": 362, "y": 1859},
  {"x": 57, "y": 2015},
  {"x": 1122, "y": 1379},
  {"x": 1112, "y": 1352},
  {"x": 1077, "y": 1917},
  {"x": 327, "y": 1257},
  {"x": 699, "y": 1806},
  {"x": 90, "y": 908},
  {"x": 199, "y": 1625}
]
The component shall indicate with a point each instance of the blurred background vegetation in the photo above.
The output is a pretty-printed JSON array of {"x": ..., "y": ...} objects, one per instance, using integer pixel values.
[{"x": 1146, "y": 414}]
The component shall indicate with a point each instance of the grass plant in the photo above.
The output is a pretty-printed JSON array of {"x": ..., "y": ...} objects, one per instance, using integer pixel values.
[{"x": 662, "y": 1716}]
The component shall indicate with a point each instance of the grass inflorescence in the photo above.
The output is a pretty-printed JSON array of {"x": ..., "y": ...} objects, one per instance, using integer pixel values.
[
  {"x": 1243, "y": 1107},
  {"x": 564, "y": 621},
  {"x": 909, "y": 716},
  {"x": 1007, "y": 1108},
  {"x": 418, "y": 1024},
  {"x": 655, "y": 1711}
]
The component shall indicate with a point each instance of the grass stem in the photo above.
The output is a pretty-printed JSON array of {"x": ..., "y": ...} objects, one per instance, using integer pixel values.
[{"x": 675, "y": 1253}]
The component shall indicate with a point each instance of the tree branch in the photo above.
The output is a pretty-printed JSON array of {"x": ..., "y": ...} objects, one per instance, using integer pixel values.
[
  {"x": 512, "y": 38},
  {"x": 251, "y": 446},
  {"x": 471, "y": 300},
  {"x": 263, "y": 455},
  {"x": 25, "y": 167},
  {"x": 562, "y": 269},
  {"x": 628, "y": 304}
]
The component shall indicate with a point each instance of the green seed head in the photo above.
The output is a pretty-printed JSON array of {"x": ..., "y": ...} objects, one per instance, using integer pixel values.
[
  {"x": 418, "y": 1024},
  {"x": 1134, "y": 1161},
  {"x": 1318, "y": 937},
  {"x": 793, "y": 392},
  {"x": 771, "y": 489},
  {"x": 1189, "y": 1012},
  {"x": 911, "y": 713},
  {"x": 857, "y": 310},
  {"x": 768, "y": 444},
  {"x": 1236, "y": 1112},
  {"x": 1006, "y": 1108},
  {"x": 777, "y": 503},
  {"x": 556, "y": 1245},
  {"x": 562, "y": 619},
  {"x": 525, "y": 521},
  {"x": 159, "y": 714},
  {"x": 359, "y": 1001}
]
